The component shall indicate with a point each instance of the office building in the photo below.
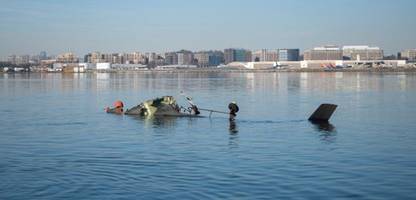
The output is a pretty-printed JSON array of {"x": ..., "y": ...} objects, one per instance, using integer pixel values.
[
  {"x": 362, "y": 53},
  {"x": 237, "y": 55},
  {"x": 171, "y": 58},
  {"x": 409, "y": 54},
  {"x": 324, "y": 53},
  {"x": 67, "y": 58},
  {"x": 265, "y": 55},
  {"x": 288, "y": 54},
  {"x": 209, "y": 58},
  {"x": 185, "y": 57}
]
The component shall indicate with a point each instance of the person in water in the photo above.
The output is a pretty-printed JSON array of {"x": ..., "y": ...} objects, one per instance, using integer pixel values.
[
  {"x": 233, "y": 110},
  {"x": 118, "y": 108}
]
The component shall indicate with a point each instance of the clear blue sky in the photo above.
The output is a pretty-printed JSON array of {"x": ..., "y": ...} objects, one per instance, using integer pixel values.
[{"x": 80, "y": 26}]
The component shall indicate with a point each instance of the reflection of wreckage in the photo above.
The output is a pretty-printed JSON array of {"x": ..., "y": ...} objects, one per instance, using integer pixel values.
[{"x": 164, "y": 106}]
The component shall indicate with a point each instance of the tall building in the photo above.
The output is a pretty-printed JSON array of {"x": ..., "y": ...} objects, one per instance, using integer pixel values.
[
  {"x": 216, "y": 58},
  {"x": 171, "y": 58},
  {"x": 329, "y": 52},
  {"x": 151, "y": 57},
  {"x": 409, "y": 54},
  {"x": 237, "y": 55},
  {"x": 362, "y": 53},
  {"x": 185, "y": 57},
  {"x": 228, "y": 56},
  {"x": 288, "y": 54},
  {"x": 265, "y": 55},
  {"x": 202, "y": 58},
  {"x": 43, "y": 55}
]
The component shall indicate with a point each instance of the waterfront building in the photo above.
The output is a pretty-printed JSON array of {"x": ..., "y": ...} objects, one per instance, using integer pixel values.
[
  {"x": 95, "y": 57},
  {"x": 103, "y": 66},
  {"x": 171, "y": 58},
  {"x": 228, "y": 56},
  {"x": 328, "y": 52},
  {"x": 288, "y": 54},
  {"x": 19, "y": 60},
  {"x": 237, "y": 55},
  {"x": 185, "y": 57},
  {"x": 202, "y": 59},
  {"x": 362, "y": 53},
  {"x": 409, "y": 54},
  {"x": 67, "y": 58},
  {"x": 209, "y": 58},
  {"x": 151, "y": 57},
  {"x": 265, "y": 55},
  {"x": 216, "y": 58}
]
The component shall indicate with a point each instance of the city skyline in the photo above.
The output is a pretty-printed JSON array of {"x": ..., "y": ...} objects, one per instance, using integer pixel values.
[{"x": 29, "y": 27}]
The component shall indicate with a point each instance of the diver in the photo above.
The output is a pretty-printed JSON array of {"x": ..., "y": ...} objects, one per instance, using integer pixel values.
[
  {"x": 118, "y": 108},
  {"x": 233, "y": 110}
]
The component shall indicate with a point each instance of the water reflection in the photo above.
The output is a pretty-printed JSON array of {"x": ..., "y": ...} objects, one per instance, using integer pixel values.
[
  {"x": 233, "y": 128},
  {"x": 157, "y": 121},
  {"x": 327, "y": 131},
  {"x": 233, "y": 138}
]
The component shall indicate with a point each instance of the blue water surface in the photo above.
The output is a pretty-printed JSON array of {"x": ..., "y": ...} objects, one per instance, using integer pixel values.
[{"x": 56, "y": 141}]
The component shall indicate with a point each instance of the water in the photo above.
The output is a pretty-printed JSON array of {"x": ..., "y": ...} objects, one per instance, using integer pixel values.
[{"x": 56, "y": 142}]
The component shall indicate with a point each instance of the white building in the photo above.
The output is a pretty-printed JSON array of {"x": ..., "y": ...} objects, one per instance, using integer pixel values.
[
  {"x": 362, "y": 52},
  {"x": 103, "y": 66}
]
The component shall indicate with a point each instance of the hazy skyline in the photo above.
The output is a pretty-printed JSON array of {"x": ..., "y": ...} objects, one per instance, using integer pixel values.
[{"x": 28, "y": 27}]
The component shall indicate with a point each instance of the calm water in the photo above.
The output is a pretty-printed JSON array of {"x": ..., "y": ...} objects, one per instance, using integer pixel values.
[{"x": 56, "y": 142}]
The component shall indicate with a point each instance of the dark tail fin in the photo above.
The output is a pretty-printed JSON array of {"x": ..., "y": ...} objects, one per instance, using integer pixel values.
[{"x": 323, "y": 113}]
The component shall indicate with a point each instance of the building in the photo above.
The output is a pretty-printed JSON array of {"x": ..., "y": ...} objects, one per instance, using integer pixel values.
[
  {"x": 67, "y": 58},
  {"x": 228, "y": 56},
  {"x": 409, "y": 54},
  {"x": 43, "y": 55},
  {"x": 19, "y": 60},
  {"x": 103, "y": 66},
  {"x": 185, "y": 57},
  {"x": 288, "y": 54},
  {"x": 151, "y": 57},
  {"x": 171, "y": 58},
  {"x": 202, "y": 58},
  {"x": 362, "y": 53},
  {"x": 209, "y": 58},
  {"x": 329, "y": 52},
  {"x": 216, "y": 58},
  {"x": 237, "y": 55},
  {"x": 265, "y": 55}
]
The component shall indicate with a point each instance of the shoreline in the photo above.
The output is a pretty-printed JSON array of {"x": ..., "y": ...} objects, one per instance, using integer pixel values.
[{"x": 211, "y": 70}]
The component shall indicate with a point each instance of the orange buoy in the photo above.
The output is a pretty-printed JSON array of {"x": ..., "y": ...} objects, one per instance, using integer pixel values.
[{"x": 118, "y": 104}]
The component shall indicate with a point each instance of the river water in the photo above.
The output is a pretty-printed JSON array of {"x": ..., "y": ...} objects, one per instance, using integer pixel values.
[{"x": 56, "y": 141}]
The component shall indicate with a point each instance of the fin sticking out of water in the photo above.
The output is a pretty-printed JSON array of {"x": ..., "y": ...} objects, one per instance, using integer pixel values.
[{"x": 323, "y": 113}]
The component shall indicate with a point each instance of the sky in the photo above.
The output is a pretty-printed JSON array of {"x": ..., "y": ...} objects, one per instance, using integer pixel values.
[{"x": 82, "y": 26}]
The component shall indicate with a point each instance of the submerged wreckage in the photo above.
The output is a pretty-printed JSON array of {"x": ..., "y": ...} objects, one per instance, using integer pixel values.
[{"x": 167, "y": 106}]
